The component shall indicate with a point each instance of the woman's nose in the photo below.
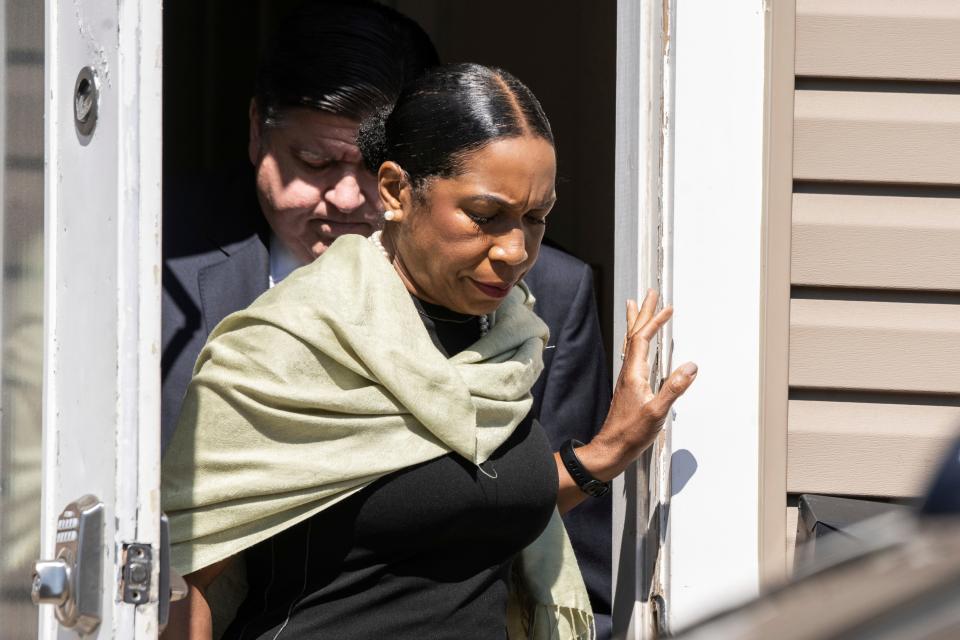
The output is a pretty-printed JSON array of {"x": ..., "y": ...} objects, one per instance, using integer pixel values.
[
  {"x": 510, "y": 248},
  {"x": 346, "y": 194}
]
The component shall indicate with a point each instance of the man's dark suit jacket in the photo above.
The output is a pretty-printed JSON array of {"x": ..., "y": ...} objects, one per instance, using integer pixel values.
[
  {"x": 571, "y": 398},
  {"x": 216, "y": 261}
]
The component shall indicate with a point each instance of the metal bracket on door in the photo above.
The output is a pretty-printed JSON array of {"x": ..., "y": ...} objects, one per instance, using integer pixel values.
[
  {"x": 135, "y": 578},
  {"x": 137, "y": 568}
]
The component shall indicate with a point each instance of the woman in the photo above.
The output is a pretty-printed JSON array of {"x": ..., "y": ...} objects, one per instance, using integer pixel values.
[{"x": 360, "y": 432}]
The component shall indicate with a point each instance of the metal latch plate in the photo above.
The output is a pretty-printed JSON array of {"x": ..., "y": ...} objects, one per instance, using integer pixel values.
[{"x": 137, "y": 569}]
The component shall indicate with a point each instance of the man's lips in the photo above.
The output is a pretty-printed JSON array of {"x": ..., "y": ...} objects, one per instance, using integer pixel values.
[{"x": 492, "y": 290}]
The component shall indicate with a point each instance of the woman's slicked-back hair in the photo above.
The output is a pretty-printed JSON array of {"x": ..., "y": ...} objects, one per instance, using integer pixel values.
[
  {"x": 447, "y": 113},
  {"x": 345, "y": 57}
]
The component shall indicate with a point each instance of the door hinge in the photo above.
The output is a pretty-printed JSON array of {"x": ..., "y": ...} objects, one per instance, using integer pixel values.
[{"x": 137, "y": 570}]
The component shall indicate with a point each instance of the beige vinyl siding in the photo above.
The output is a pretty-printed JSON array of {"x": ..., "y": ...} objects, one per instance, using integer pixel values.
[
  {"x": 868, "y": 345},
  {"x": 774, "y": 528},
  {"x": 876, "y": 241},
  {"x": 874, "y": 318},
  {"x": 862, "y": 448},
  {"x": 888, "y": 39},
  {"x": 877, "y": 136}
]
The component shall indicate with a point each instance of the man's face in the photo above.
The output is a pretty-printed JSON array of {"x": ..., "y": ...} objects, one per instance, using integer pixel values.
[{"x": 311, "y": 181}]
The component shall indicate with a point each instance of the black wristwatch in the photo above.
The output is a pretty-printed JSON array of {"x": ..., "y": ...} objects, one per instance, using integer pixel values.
[{"x": 587, "y": 483}]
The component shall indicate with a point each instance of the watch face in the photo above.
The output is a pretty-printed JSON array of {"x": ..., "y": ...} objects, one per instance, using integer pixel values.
[{"x": 595, "y": 488}]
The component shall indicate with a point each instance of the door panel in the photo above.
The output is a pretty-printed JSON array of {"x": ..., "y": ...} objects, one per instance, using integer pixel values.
[{"x": 102, "y": 256}]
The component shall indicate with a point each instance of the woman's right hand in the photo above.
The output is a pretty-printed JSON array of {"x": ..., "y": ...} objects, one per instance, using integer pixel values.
[{"x": 637, "y": 414}]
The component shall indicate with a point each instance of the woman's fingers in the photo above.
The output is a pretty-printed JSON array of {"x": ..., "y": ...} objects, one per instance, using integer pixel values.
[
  {"x": 674, "y": 387},
  {"x": 649, "y": 330},
  {"x": 636, "y": 356},
  {"x": 646, "y": 312},
  {"x": 637, "y": 344},
  {"x": 632, "y": 313},
  {"x": 642, "y": 326}
]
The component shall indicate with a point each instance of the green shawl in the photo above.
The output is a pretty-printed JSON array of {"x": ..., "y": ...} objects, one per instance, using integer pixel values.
[{"x": 329, "y": 381}]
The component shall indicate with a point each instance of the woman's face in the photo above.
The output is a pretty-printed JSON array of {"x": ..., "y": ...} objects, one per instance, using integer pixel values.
[{"x": 469, "y": 239}]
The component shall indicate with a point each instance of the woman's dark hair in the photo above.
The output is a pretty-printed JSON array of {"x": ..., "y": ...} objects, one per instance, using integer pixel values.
[
  {"x": 447, "y": 113},
  {"x": 345, "y": 57}
]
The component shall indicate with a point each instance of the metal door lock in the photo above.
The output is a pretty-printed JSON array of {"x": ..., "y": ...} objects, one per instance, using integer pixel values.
[
  {"x": 72, "y": 582},
  {"x": 86, "y": 98},
  {"x": 51, "y": 582}
]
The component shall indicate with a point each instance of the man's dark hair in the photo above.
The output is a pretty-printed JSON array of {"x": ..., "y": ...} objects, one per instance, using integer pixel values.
[
  {"x": 344, "y": 57},
  {"x": 446, "y": 114}
]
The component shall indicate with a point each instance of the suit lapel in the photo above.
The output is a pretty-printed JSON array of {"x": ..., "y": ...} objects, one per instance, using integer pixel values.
[
  {"x": 237, "y": 228},
  {"x": 234, "y": 282}
]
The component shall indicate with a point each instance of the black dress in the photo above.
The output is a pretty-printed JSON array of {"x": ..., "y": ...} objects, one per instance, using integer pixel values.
[{"x": 422, "y": 553}]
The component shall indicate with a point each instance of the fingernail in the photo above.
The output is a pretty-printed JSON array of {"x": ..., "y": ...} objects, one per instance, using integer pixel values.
[{"x": 689, "y": 369}]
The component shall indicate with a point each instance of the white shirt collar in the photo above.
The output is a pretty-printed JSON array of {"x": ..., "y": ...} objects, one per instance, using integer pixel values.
[{"x": 282, "y": 260}]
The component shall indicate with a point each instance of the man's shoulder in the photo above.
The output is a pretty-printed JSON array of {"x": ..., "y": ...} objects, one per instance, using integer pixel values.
[
  {"x": 205, "y": 211},
  {"x": 556, "y": 270},
  {"x": 557, "y": 283}
]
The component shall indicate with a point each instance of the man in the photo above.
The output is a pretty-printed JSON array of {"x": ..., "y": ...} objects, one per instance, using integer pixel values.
[{"x": 228, "y": 239}]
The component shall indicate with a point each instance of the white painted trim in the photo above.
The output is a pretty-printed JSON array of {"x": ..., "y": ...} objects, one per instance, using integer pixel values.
[
  {"x": 643, "y": 145},
  {"x": 139, "y": 287},
  {"x": 718, "y": 187}
]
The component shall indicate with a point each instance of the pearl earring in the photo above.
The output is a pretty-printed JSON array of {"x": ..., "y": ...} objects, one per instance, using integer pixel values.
[{"x": 389, "y": 215}]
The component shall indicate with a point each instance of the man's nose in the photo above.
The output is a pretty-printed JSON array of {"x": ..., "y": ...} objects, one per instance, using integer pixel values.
[
  {"x": 510, "y": 248},
  {"x": 346, "y": 195}
]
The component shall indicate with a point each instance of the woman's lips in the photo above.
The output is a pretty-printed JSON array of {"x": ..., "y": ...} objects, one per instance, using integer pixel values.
[{"x": 494, "y": 291}]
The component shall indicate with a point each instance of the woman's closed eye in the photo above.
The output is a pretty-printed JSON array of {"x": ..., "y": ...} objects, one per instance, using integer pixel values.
[
  {"x": 478, "y": 219},
  {"x": 481, "y": 220}
]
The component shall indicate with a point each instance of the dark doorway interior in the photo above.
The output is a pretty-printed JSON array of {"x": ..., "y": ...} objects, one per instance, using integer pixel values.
[{"x": 565, "y": 52}]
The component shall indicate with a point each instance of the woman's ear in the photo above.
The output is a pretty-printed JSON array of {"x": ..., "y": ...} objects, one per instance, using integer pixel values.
[{"x": 394, "y": 190}]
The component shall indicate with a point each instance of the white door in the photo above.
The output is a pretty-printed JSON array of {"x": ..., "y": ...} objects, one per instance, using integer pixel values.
[{"x": 95, "y": 80}]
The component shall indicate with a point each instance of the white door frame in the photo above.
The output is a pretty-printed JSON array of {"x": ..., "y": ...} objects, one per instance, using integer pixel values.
[
  {"x": 690, "y": 167},
  {"x": 718, "y": 214},
  {"x": 102, "y": 289},
  {"x": 642, "y": 247}
]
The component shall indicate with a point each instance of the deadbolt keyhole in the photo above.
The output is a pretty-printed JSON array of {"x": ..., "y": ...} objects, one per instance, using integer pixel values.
[{"x": 85, "y": 98}]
